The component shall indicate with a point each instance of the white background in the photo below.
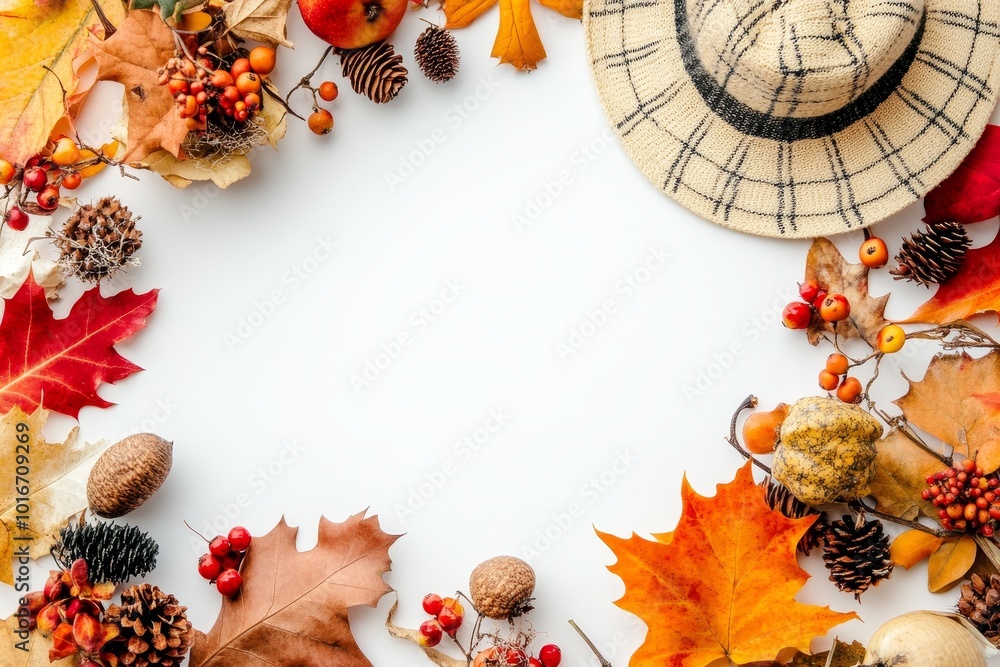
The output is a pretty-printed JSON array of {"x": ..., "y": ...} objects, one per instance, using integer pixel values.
[{"x": 232, "y": 408}]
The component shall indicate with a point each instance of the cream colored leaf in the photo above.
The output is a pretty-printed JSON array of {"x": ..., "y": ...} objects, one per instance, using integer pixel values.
[
  {"x": 259, "y": 20},
  {"x": 27, "y": 650},
  {"x": 15, "y": 263},
  {"x": 55, "y": 478}
]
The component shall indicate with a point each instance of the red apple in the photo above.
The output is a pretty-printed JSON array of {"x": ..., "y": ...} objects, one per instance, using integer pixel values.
[{"x": 351, "y": 24}]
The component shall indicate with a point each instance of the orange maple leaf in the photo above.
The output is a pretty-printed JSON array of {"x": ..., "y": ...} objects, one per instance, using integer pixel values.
[
  {"x": 517, "y": 40},
  {"x": 724, "y": 586}
]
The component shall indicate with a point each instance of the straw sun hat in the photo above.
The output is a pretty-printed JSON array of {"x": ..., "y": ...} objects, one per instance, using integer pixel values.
[{"x": 796, "y": 118}]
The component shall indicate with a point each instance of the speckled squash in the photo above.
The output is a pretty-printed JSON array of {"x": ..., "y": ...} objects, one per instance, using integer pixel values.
[{"x": 826, "y": 451}]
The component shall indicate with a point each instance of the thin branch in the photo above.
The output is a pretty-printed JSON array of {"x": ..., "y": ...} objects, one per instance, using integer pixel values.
[
  {"x": 306, "y": 82},
  {"x": 604, "y": 661},
  {"x": 860, "y": 506}
]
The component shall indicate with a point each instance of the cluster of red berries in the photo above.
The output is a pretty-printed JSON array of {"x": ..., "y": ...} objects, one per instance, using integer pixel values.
[
  {"x": 202, "y": 89},
  {"x": 221, "y": 564},
  {"x": 320, "y": 121},
  {"x": 967, "y": 498},
  {"x": 62, "y": 164},
  {"x": 549, "y": 655},
  {"x": 448, "y": 615},
  {"x": 817, "y": 302},
  {"x": 834, "y": 377}
]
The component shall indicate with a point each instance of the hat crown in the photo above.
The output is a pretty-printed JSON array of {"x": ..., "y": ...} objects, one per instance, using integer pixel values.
[{"x": 801, "y": 58}]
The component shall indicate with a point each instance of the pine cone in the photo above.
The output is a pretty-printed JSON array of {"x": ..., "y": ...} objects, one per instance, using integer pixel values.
[
  {"x": 933, "y": 256},
  {"x": 779, "y": 498},
  {"x": 154, "y": 628},
  {"x": 437, "y": 55},
  {"x": 375, "y": 70},
  {"x": 98, "y": 240},
  {"x": 114, "y": 553},
  {"x": 857, "y": 554},
  {"x": 980, "y": 603}
]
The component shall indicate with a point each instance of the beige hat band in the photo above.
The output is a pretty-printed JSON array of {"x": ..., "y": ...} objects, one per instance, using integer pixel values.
[{"x": 749, "y": 120}]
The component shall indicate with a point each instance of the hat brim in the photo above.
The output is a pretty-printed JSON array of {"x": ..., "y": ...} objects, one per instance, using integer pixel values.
[{"x": 848, "y": 179}]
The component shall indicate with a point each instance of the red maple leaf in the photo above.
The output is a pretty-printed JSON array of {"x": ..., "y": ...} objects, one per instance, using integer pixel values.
[
  {"x": 65, "y": 360},
  {"x": 972, "y": 192}
]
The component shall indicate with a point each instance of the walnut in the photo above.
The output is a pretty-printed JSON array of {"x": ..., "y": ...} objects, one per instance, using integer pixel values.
[
  {"x": 127, "y": 474},
  {"x": 501, "y": 587}
]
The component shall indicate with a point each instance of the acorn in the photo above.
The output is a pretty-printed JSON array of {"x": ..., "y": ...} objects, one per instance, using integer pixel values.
[
  {"x": 501, "y": 587},
  {"x": 128, "y": 473}
]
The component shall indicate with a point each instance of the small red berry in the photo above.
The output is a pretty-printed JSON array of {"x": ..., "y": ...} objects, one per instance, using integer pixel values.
[
  {"x": 550, "y": 655},
  {"x": 72, "y": 180},
  {"x": 808, "y": 290},
  {"x": 209, "y": 567},
  {"x": 430, "y": 633},
  {"x": 796, "y": 315},
  {"x": 229, "y": 583},
  {"x": 48, "y": 198},
  {"x": 820, "y": 298},
  {"x": 219, "y": 546},
  {"x": 534, "y": 662},
  {"x": 17, "y": 219},
  {"x": 432, "y": 604},
  {"x": 449, "y": 620},
  {"x": 34, "y": 178},
  {"x": 239, "y": 538},
  {"x": 232, "y": 560},
  {"x": 835, "y": 307},
  {"x": 516, "y": 656},
  {"x": 328, "y": 91}
]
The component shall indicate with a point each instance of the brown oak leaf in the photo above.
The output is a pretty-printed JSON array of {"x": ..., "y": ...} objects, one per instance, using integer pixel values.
[
  {"x": 901, "y": 471},
  {"x": 828, "y": 268},
  {"x": 292, "y": 608},
  {"x": 945, "y": 404},
  {"x": 259, "y": 20},
  {"x": 131, "y": 56}
]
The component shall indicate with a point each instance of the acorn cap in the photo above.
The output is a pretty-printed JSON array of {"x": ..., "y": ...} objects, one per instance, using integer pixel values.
[{"x": 128, "y": 473}]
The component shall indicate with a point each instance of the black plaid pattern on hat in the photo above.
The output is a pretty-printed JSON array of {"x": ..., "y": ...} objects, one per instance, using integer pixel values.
[{"x": 782, "y": 169}]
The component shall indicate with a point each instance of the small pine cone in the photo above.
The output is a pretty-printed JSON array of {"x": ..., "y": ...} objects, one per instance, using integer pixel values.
[
  {"x": 437, "y": 55},
  {"x": 154, "y": 628},
  {"x": 933, "y": 256},
  {"x": 857, "y": 554},
  {"x": 114, "y": 552},
  {"x": 980, "y": 603},
  {"x": 98, "y": 240},
  {"x": 375, "y": 70},
  {"x": 779, "y": 498}
]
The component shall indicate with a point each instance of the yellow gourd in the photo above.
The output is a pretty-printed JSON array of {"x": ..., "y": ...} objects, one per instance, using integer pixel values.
[{"x": 826, "y": 451}]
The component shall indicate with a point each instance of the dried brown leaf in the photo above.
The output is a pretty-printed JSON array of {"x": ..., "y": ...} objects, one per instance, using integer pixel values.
[
  {"x": 913, "y": 546},
  {"x": 259, "y": 20},
  {"x": 844, "y": 655},
  {"x": 901, "y": 471},
  {"x": 828, "y": 268},
  {"x": 949, "y": 564},
  {"x": 31, "y": 650},
  {"x": 944, "y": 402},
  {"x": 131, "y": 56},
  {"x": 292, "y": 608}
]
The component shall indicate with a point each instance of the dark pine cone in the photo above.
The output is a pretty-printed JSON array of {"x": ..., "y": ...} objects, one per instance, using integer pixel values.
[
  {"x": 932, "y": 256},
  {"x": 437, "y": 55},
  {"x": 114, "y": 552},
  {"x": 980, "y": 603},
  {"x": 375, "y": 70},
  {"x": 857, "y": 554},
  {"x": 781, "y": 499}
]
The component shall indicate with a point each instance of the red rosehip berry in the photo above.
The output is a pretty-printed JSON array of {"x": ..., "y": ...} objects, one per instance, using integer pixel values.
[
  {"x": 449, "y": 620},
  {"x": 808, "y": 290},
  {"x": 229, "y": 583},
  {"x": 516, "y": 656},
  {"x": 17, "y": 219},
  {"x": 534, "y": 662},
  {"x": 820, "y": 298},
  {"x": 796, "y": 315},
  {"x": 430, "y": 633},
  {"x": 48, "y": 198},
  {"x": 239, "y": 538},
  {"x": 34, "y": 178},
  {"x": 232, "y": 560},
  {"x": 209, "y": 567},
  {"x": 432, "y": 604},
  {"x": 219, "y": 546},
  {"x": 550, "y": 655}
]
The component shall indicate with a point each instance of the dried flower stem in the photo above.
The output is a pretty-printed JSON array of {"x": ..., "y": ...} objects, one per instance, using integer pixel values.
[
  {"x": 604, "y": 661},
  {"x": 859, "y": 506}
]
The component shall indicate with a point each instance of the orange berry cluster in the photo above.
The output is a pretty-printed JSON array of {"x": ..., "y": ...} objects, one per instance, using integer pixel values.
[
  {"x": 201, "y": 89},
  {"x": 834, "y": 377},
  {"x": 816, "y": 302},
  {"x": 62, "y": 164},
  {"x": 966, "y": 497},
  {"x": 320, "y": 121}
]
